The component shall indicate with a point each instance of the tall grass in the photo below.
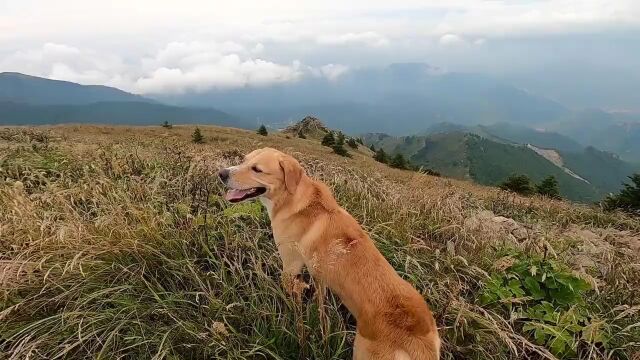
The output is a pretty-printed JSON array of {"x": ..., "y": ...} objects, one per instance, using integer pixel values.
[{"x": 115, "y": 243}]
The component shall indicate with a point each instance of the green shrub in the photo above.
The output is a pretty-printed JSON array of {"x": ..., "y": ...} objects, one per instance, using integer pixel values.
[
  {"x": 381, "y": 156},
  {"x": 549, "y": 187},
  {"x": 628, "y": 199},
  {"x": 340, "y": 150},
  {"x": 398, "y": 162},
  {"x": 546, "y": 300},
  {"x": 352, "y": 143},
  {"x": 519, "y": 184},
  {"x": 262, "y": 130},
  {"x": 197, "y": 137},
  {"x": 328, "y": 140}
]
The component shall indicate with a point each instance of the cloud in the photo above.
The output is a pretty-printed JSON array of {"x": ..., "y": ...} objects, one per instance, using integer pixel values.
[
  {"x": 333, "y": 71},
  {"x": 451, "y": 40},
  {"x": 369, "y": 38},
  {"x": 175, "y": 68}
]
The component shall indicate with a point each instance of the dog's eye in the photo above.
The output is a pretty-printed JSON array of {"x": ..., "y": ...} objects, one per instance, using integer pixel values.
[{"x": 255, "y": 169}]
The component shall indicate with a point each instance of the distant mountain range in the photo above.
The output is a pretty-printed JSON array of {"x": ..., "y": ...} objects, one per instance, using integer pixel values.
[
  {"x": 408, "y": 98},
  {"x": 32, "y": 100},
  {"x": 489, "y": 154},
  {"x": 401, "y": 98}
]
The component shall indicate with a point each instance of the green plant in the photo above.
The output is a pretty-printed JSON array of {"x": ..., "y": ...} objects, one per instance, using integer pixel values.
[
  {"x": 547, "y": 300},
  {"x": 328, "y": 140},
  {"x": 352, "y": 143},
  {"x": 166, "y": 125},
  {"x": 629, "y": 197},
  {"x": 549, "y": 187},
  {"x": 519, "y": 184},
  {"x": 262, "y": 130},
  {"x": 372, "y": 148},
  {"x": 340, "y": 138},
  {"x": 398, "y": 162},
  {"x": 301, "y": 135},
  {"x": 340, "y": 150},
  {"x": 197, "y": 137},
  {"x": 381, "y": 156}
]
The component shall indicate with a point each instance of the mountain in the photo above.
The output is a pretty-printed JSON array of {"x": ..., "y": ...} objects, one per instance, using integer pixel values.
[
  {"x": 31, "y": 100},
  {"x": 20, "y": 88},
  {"x": 585, "y": 175},
  {"x": 523, "y": 135},
  {"x": 397, "y": 99},
  {"x": 615, "y": 132},
  {"x": 132, "y": 113}
]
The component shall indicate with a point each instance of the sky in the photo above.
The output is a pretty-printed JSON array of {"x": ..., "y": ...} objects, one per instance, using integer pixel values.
[{"x": 584, "y": 53}]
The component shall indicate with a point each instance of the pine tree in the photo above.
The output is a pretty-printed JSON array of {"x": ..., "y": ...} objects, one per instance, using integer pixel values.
[
  {"x": 352, "y": 143},
  {"x": 381, "y": 156},
  {"x": 262, "y": 130},
  {"x": 398, "y": 162},
  {"x": 629, "y": 197},
  {"x": 197, "y": 136},
  {"x": 340, "y": 139},
  {"x": 329, "y": 140},
  {"x": 360, "y": 141},
  {"x": 301, "y": 135},
  {"x": 549, "y": 187},
  {"x": 340, "y": 150},
  {"x": 372, "y": 148},
  {"x": 166, "y": 125},
  {"x": 519, "y": 184}
]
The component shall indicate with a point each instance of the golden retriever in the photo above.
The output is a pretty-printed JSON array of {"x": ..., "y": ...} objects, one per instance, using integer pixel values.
[{"x": 312, "y": 230}]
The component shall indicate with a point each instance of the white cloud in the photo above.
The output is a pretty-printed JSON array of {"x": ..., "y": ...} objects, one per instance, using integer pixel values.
[
  {"x": 333, "y": 71},
  {"x": 479, "y": 42},
  {"x": 175, "y": 68},
  {"x": 368, "y": 38},
  {"x": 451, "y": 40}
]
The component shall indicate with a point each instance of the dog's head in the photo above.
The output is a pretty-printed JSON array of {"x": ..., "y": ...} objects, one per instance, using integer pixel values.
[{"x": 264, "y": 172}]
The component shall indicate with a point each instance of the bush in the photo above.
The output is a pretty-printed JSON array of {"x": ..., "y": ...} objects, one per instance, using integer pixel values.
[
  {"x": 262, "y": 130},
  {"x": 301, "y": 135},
  {"x": 352, "y": 143},
  {"x": 372, "y": 148},
  {"x": 166, "y": 125},
  {"x": 340, "y": 138},
  {"x": 546, "y": 299},
  {"x": 549, "y": 187},
  {"x": 360, "y": 141},
  {"x": 340, "y": 150},
  {"x": 519, "y": 184},
  {"x": 328, "y": 140},
  {"x": 628, "y": 199},
  {"x": 398, "y": 162},
  {"x": 381, "y": 156},
  {"x": 197, "y": 137}
]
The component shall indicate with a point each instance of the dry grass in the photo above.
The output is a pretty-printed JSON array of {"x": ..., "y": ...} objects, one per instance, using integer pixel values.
[{"x": 114, "y": 243}]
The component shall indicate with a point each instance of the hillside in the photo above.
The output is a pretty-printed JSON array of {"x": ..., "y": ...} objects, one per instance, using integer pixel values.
[
  {"x": 489, "y": 159},
  {"x": 116, "y": 242},
  {"x": 141, "y": 113},
  {"x": 21, "y": 88},
  {"x": 30, "y": 100}
]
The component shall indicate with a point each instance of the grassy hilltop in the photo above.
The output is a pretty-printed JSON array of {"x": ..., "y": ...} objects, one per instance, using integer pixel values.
[{"x": 115, "y": 243}]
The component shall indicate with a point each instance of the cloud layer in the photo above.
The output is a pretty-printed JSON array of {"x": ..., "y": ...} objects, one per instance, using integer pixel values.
[{"x": 176, "y": 68}]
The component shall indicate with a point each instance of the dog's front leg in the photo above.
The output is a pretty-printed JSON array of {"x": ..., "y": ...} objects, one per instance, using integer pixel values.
[{"x": 292, "y": 264}]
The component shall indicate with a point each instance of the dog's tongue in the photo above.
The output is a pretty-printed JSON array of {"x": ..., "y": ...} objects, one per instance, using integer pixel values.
[{"x": 235, "y": 194}]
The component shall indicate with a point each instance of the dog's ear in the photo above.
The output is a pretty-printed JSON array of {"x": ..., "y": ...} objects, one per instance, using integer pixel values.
[{"x": 292, "y": 173}]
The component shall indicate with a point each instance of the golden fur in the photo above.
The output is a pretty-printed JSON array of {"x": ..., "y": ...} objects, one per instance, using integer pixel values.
[{"x": 312, "y": 230}]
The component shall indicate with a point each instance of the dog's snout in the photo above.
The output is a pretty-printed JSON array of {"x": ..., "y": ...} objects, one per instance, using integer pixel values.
[{"x": 224, "y": 175}]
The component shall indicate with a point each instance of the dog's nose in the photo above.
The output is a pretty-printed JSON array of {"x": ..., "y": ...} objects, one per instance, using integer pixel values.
[{"x": 224, "y": 175}]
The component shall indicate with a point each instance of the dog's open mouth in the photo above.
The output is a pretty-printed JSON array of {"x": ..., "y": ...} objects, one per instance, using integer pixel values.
[{"x": 237, "y": 195}]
